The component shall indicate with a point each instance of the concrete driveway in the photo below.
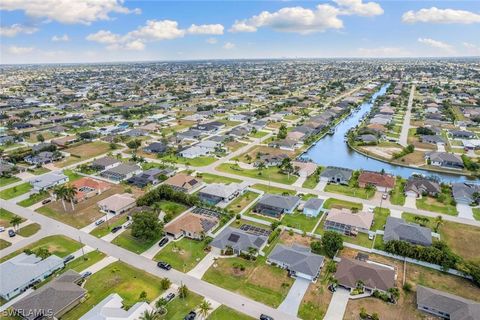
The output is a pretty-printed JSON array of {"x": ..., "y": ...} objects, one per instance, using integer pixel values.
[
  {"x": 292, "y": 301},
  {"x": 203, "y": 265},
  {"x": 464, "y": 211},
  {"x": 411, "y": 202},
  {"x": 338, "y": 304}
]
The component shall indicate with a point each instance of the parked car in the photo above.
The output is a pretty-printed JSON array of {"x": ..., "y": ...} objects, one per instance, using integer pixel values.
[
  {"x": 385, "y": 196},
  {"x": 2, "y": 229},
  {"x": 371, "y": 235},
  {"x": 11, "y": 233},
  {"x": 332, "y": 287},
  {"x": 68, "y": 258},
  {"x": 170, "y": 297},
  {"x": 163, "y": 265},
  {"x": 117, "y": 228},
  {"x": 163, "y": 242},
  {"x": 265, "y": 317},
  {"x": 86, "y": 274},
  {"x": 128, "y": 224},
  {"x": 99, "y": 222},
  {"x": 190, "y": 316},
  {"x": 48, "y": 200}
]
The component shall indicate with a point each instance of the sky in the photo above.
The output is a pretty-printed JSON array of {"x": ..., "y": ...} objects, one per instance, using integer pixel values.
[{"x": 73, "y": 31}]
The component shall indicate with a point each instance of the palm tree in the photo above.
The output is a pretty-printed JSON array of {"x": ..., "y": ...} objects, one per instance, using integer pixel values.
[
  {"x": 160, "y": 306},
  {"x": 438, "y": 222},
  {"x": 59, "y": 192},
  {"x": 70, "y": 193},
  {"x": 149, "y": 315},
  {"x": 15, "y": 221},
  {"x": 182, "y": 291},
  {"x": 204, "y": 308}
]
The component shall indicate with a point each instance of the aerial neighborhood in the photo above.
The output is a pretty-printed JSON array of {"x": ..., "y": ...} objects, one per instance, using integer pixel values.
[{"x": 289, "y": 189}]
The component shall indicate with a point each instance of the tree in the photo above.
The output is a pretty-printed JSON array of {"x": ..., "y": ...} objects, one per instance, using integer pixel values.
[
  {"x": 149, "y": 315},
  {"x": 183, "y": 291},
  {"x": 438, "y": 222},
  {"x": 332, "y": 242},
  {"x": 204, "y": 308},
  {"x": 165, "y": 283},
  {"x": 282, "y": 132},
  {"x": 134, "y": 144},
  {"x": 316, "y": 246},
  {"x": 40, "y": 137},
  {"x": 146, "y": 225},
  {"x": 261, "y": 166},
  {"x": 143, "y": 296},
  {"x": 42, "y": 253},
  {"x": 15, "y": 221},
  {"x": 70, "y": 193},
  {"x": 60, "y": 192},
  {"x": 160, "y": 306}
]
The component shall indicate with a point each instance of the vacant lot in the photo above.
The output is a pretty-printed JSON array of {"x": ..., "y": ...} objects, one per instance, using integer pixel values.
[
  {"x": 5, "y": 217},
  {"x": 84, "y": 151},
  {"x": 270, "y": 174},
  {"x": 183, "y": 255},
  {"x": 15, "y": 191},
  {"x": 213, "y": 178},
  {"x": 300, "y": 221},
  {"x": 105, "y": 228},
  {"x": 242, "y": 201},
  {"x": 350, "y": 191},
  {"x": 223, "y": 312},
  {"x": 118, "y": 278},
  {"x": 195, "y": 162},
  {"x": 257, "y": 280},
  {"x": 432, "y": 204},
  {"x": 273, "y": 190},
  {"x": 29, "y": 230},
  {"x": 339, "y": 204},
  {"x": 34, "y": 198},
  {"x": 7, "y": 180},
  {"x": 178, "y": 308},
  {"x": 129, "y": 242},
  {"x": 317, "y": 298}
]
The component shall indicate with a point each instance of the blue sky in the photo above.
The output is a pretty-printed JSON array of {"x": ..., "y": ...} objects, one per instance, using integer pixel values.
[{"x": 37, "y": 31}]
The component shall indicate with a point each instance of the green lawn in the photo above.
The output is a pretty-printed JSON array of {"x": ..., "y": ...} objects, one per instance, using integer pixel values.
[
  {"x": 224, "y": 312},
  {"x": 6, "y": 181},
  {"x": 105, "y": 228},
  {"x": 350, "y": 191},
  {"x": 476, "y": 213},
  {"x": 15, "y": 191},
  {"x": 5, "y": 217},
  {"x": 380, "y": 218},
  {"x": 34, "y": 198},
  {"x": 268, "y": 174},
  {"x": 311, "y": 182},
  {"x": 300, "y": 221},
  {"x": 274, "y": 190},
  {"x": 72, "y": 175},
  {"x": 58, "y": 245},
  {"x": 432, "y": 204},
  {"x": 39, "y": 171},
  {"x": 213, "y": 178},
  {"x": 196, "y": 162},
  {"x": 397, "y": 197},
  {"x": 119, "y": 278},
  {"x": 29, "y": 230},
  {"x": 171, "y": 207},
  {"x": 361, "y": 239},
  {"x": 129, "y": 242},
  {"x": 336, "y": 203},
  {"x": 183, "y": 255},
  {"x": 241, "y": 202},
  {"x": 178, "y": 308},
  {"x": 259, "y": 134},
  {"x": 4, "y": 244}
]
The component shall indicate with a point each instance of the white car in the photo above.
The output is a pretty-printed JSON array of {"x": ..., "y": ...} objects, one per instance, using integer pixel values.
[
  {"x": 371, "y": 235},
  {"x": 2, "y": 229}
]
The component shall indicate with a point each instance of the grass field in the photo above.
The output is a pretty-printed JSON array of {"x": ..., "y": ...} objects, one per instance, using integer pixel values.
[
  {"x": 178, "y": 308},
  {"x": 311, "y": 182},
  {"x": 58, "y": 245},
  {"x": 476, "y": 213},
  {"x": 397, "y": 197},
  {"x": 4, "y": 244},
  {"x": 172, "y": 208},
  {"x": 129, "y": 242},
  {"x": 29, "y": 230},
  {"x": 34, "y": 198},
  {"x": 5, "y": 217},
  {"x": 380, "y": 218},
  {"x": 183, "y": 255},
  {"x": 350, "y": 191},
  {"x": 258, "y": 281},
  {"x": 39, "y": 171},
  {"x": 259, "y": 134},
  {"x": 269, "y": 174},
  {"x": 224, "y": 312},
  {"x": 432, "y": 204},
  {"x": 300, "y": 221},
  {"x": 105, "y": 228},
  {"x": 84, "y": 151},
  {"x": 337, "y": 203},
  {"x": 4, "y": 181},
  {"x": 274, "y": 190},
  {"x": 119, "y": 278},
  {"x": 213, "y": 178},
  {"x": 196, "y": 162},
  {"x": 15, "y": 191},
  {"x": 241, "y": 202}
]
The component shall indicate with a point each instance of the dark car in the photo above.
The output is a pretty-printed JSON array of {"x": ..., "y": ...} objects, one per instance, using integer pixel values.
[
  {"x": 46, "y": 201},
  {"x": 68, "y": 258},
  {"x": 265, "y": 317},
  {"x": 11, "y": 233},
  {"x": 86, "y": 274},
  {"x": 190, "y": 316},
  {"x": 164, "y": 265},
  {"x": 163, "y": 242},
  {"x": 170, "y": 297},
  {"x": 117, "y": 228}
]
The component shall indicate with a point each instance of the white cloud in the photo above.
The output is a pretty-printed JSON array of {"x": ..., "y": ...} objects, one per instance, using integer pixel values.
[
  {"x": 104, "y": 36},
  {"x": 383, "y": 52},
  {"x": 157, "y": 30},
  {"x": 211, "y": 40},
  {"x": 205, "y": 29},
  {"x": 435, "y": 15},
  {"x": 228, "y": 46},
  {"x": 20, "y": 50},
  {"x": 436, "y": 44},
  {"x": 63, "y": 38},
  {"x": 471, "y": 49},
  {"x": 14, "y": 29},
  {"x": 135, "y": 45},
  {"x": 67, "y": 11},
  {"x": 302, "y": 20}
]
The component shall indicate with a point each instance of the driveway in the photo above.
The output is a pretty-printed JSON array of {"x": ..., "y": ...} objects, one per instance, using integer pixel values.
[
  {"x": 338, "y": 304},
  {"x": 203, "y": 265},
  {"x": 320, "y": 186},
  {"x": 411, "y": 202},
  {"x": 464, "y": 211},
  {"x": 292, "y": 302}
]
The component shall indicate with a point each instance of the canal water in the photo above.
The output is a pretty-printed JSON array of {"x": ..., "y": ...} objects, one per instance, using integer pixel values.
[{"x": 332, "y": 150}]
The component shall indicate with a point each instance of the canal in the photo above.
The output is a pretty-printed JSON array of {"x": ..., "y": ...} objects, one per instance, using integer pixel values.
[{"x": 332, "y": 150}]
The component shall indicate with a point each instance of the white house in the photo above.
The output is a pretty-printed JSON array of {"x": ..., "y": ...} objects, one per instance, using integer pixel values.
[
  {"x": 111, "y": 308},
  {"x": 48, "y": 181},
  {"x": 193, "y": 152}
]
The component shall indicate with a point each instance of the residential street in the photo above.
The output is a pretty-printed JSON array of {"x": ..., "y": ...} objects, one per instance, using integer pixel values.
[{"x": 403, "y": 140}]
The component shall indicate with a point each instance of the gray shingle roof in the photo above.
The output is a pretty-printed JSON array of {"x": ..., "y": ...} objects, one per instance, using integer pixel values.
[
  {"x": 297, "y": 258},
  {"x": 237, "y": 239},
  {"x": 278, "y": 201},
  {"x": 313, "y": 203},
  {"x": 398, "y": 229}
]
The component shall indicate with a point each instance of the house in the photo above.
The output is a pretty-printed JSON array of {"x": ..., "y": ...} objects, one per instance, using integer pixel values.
[
  {"x": 191, "y": 225},
  {"x": 87, "y": 187},
  {"x": 286, "y": 144},
  {"x": 156, "y": 148},
  {"x": 444, "y": 159},
  {"x": 312, "y": 207},
  {"x": 121, "y": 172},
  {"x": 433, "y": 139},
  {"x": 271, "y": 160},
  {"x": 220, "y": 192},
  {"x": 465, "y": 193},
  {"x": 53, "y": 299},
  {"x": 461, "y": 134},
  {"x": 367, "y": 138},
  {"x": 151, "y": 176},
  {"x": 374, "y": 276},
  {"x": 275, "y": 205},
  {"x": 383, "y": 182},
  {"x": 194, "y": 152},
  {"x": 418, "y": 186},
  {"x": 183, "y": 182},
  {"x": 399, "y": 229},
  {"x": 112, "y": 308},
  {"x": 348, "y": 223},
  {"x": 48, "y": 181},
  {"x": 238, "y": 240},
  {"x": 117, "y": 203},
  {"x": 104, "y": 163},
  {"x": 336, "y": 175},
  {"x": 64, "y": 141},
  {"x": 298, "y": 260},
  {"x": 23, "y": 270},
  {"x": 446, "y": 305},
  {"x": 304, "y": 169},
  {"x": 43, "y": 157}
]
